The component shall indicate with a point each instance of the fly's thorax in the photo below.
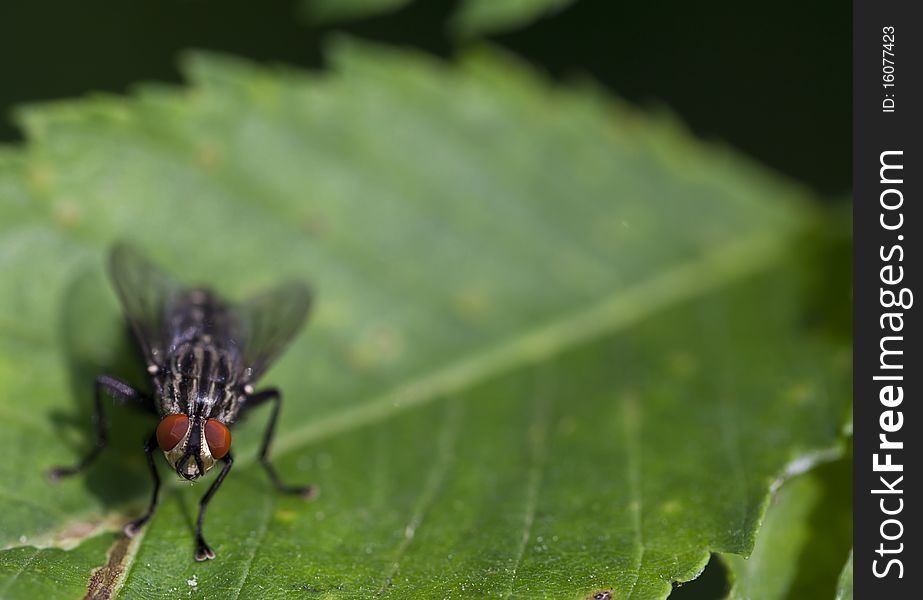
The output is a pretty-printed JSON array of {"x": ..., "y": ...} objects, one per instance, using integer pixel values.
[
  {"x": 202, "y": 379},
  {"x": 224, "y": 404}
]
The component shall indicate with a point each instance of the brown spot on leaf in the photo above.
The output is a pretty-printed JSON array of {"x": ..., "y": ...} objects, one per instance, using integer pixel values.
[
  {"x": 601, "y": 595},
  {"x": 74, "y": 533},
  {"x": 105, "y": 579},
  {"x": 79, "y": 529}
]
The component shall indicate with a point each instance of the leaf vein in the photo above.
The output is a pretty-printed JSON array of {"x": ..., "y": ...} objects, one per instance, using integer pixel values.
[
  {"x": 446, "y": 442},
  {"x": 260, "y": 538},
  {"x": 21, "y": 570},
  {"x": 632, "y": 419},
  {"x": 730, "y": 438},
  {"x": 686, "y": 281},
  {"x": 538, "y": 454}
]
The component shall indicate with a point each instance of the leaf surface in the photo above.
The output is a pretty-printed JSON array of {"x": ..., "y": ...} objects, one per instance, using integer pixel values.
[
  {"x": 483, "y": 17},
  {"x": 559, "y": 347},
  {"x": 324, "y": 11},
  {"x": 470, "y": 19}
]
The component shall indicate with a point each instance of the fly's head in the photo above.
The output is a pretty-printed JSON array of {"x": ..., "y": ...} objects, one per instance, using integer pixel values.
[{"x": 193, "y": 444}]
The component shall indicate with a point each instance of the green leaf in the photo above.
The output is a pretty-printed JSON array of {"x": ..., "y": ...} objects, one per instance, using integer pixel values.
[
  {"x": 481, "y": 17},
  {"x": 325, "y": 11},
  {"x": 559, "y": 347},
  {"x": 471, "y": 18},
  {"x": 844, "y": 587},
  {"x": 803, "y": 541}
]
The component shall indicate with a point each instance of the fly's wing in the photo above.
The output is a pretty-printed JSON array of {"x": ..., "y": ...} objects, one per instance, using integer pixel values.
[
  {"x": 146, "y": 293},
  {"x": 267, "y": 323}
]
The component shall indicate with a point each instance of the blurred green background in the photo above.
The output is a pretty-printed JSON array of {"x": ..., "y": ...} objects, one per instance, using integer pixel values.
[{"x": 773, "y": 81}]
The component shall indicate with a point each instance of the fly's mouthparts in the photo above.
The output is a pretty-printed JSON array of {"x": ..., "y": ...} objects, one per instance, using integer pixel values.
[{"x": 188, "y": 468}]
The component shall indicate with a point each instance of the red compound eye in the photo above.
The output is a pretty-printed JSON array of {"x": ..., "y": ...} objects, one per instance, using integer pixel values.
[
  {"x": 171, "y": 431},
  {"x": 218, "y": 438}
]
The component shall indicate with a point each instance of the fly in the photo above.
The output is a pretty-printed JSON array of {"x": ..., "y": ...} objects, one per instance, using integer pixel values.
[{"x": 204, "y": 356}]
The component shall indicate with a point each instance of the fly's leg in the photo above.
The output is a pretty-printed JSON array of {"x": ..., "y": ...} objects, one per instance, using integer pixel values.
[
  {"x": 306, "y": 491},
  {"x": 117, "y": 389},
  {"x": 203, "y": 551},
  {"x": 132, "y": 529}
]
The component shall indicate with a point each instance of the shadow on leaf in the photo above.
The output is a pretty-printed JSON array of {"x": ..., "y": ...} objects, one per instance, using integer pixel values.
[{"x": 96, "y": 342}]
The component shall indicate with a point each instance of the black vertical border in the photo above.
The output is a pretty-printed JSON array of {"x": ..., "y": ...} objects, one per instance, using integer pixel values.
[{"x": 876, "y": 131}]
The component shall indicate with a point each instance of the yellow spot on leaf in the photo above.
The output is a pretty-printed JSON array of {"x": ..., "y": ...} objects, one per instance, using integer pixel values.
[
  {"x": 209, "y": 154},
  {"x": 378, "y": 345},
  {"x": 41, "y": 177},
  {"x": 285, "y": 516},
  {"x": 799, "y": 393},
  {"x": 67, "y": 213},
  {"x": 473, "y": 303},
  {"x": 682, "y": 364},
  {"x": 671, "y": 507},
  {"x": 567, "y": 426}
]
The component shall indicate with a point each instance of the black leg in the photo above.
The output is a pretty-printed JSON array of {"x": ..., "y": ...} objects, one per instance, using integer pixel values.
[
  {"x": 132, "y": 529},
  {"x": 117, "y": 389},
  {"x": 307, "y": 491},
  {"x": 203, "y": 552}
]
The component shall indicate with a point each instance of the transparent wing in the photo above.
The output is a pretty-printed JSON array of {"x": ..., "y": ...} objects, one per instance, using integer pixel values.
[
  {"x": 267, "y": 323},
  {"x": 146, "y": 293}
]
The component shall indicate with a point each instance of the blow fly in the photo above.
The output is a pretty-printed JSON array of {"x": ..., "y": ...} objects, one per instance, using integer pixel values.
[{"x": 204, "y": 357}]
